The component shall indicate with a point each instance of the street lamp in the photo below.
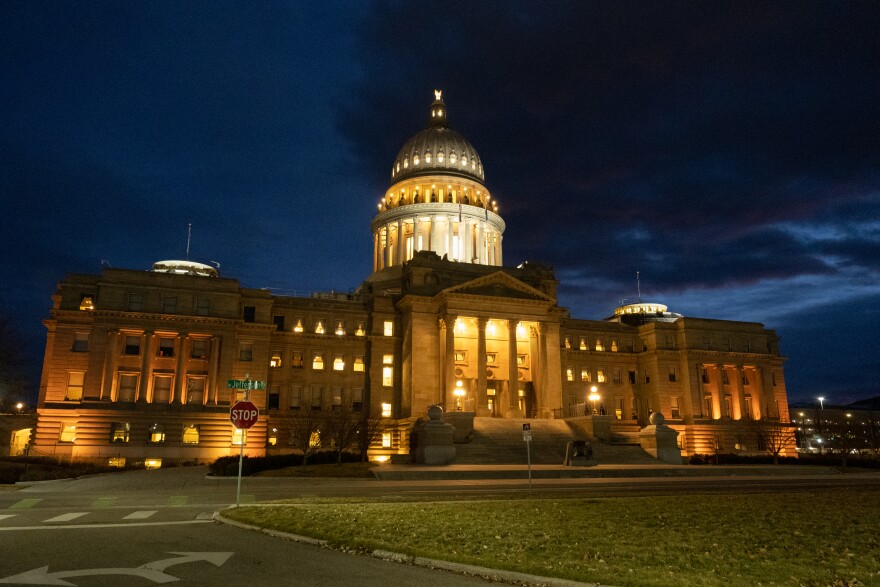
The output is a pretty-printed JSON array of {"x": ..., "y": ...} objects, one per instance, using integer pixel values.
[
  {"x": 821, "y": 402},
  {"x": 458, "y": 392},
  {"x": 819, "y": 422},
  {"x": 594, "y": 397},
  {"x": 19, "y": 406}
]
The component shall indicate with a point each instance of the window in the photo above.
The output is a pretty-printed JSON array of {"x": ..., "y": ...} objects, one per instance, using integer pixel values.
[
  {"x": 87, "y": 302},
  {"x": 360, "y": 330},
  {"x": 748, "y": 406},
  {"x": 647, "y": 377},
  {"x": 296, "y": 359},
  {"x": 318, "y": 362},
  {"x": 704, "y": 375},
  {"x": 239, "y": 436},
  {"x": 567, "y": 342},
  {"x": 199, "y": 349},
  {"x": 386, "y": 410},
  {"x": 169, "y": 304},
  {"x": 132, "y": 345},
  {"x": 80, "y": 342},
  {"x": 296, "y": 397},
  {"x": 319, "y": 327},
  {"x": 336, "y": 394},
  {"x": 135, "y": 302},
  {"x": 386, "y": 440},
  {"x": 67, "y": 433},
  {"x": 191, "y": 434},
  {"x": 745, "y": 378},
  {"x": 249, "y": 313},
  {"x": 246, "y": 351},
  {"x": 707, "y": 406},
  {"x": 275, "y": 360},
  {"x": 600, "y": 375},
  {"x": 127, "y": 388},
  {"x": 569, "y": 376},
  {"x": 75, "y": 380},
  {"x": 387, "y": 375},
  {"x": 614, "y": 346},
  {"x": 632, "y": 377},
  {"x": 162, "y": 389},
  {"x": 600, "y": 346},
  {"x": 670, "y": 342},
  {"x": 359, "y": 364},
  {"x": 674, "y": 410},
  {"x": 492, "y": 357},
  {"x": 388, "y": 328},
  {"x": 357, "y": 399},
  {"x": 195, "y": 390},
  {"x": 616, "y": 376},
  {"x": 339, "y": 362},
  {"x": 279, "y": 323},
  {"x": 520, "y": 359},
  {"x": 727, "y": 406},
  {"x": 586, "y": 376},
  {"x": 298, "y": 327},
  {"x": 317, "y": 393},
  {"x": 274, "y": 398},
  {"x": 119, "y": 432},
  {"x": 724, "y": 379},
  {"x": 644, "y": 345},
  {"x": 461, "y": 356},
  {"x": 618, "y": 408},
  {"x": 340, "y": 328},
  {"x": 583, "y": 344},
  {"x": 157, "y": 434},
  {"x": 725, "y": 344},
  {"x": 166, "y": 347},
  {"x": 629, "y": 346},
  {"x": 673, "y": 376},
  {"x": 203, "y": 306}
]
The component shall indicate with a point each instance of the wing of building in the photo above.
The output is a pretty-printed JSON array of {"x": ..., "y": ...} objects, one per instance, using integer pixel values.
[{"x": 141, "y": 365}]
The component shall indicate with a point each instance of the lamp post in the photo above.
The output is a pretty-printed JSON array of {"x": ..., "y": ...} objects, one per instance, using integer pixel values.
[
  {"x": 594, "y": 397},
  {"x": 819, "y": 422}
]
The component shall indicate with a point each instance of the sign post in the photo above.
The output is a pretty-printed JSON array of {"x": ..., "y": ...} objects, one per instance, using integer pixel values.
[
  {"x": 243, "y": 415},
  {"x": 527, "y": 436}
]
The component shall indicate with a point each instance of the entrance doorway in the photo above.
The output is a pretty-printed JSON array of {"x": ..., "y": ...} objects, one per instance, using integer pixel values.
[{"x": 492, "y": 402}]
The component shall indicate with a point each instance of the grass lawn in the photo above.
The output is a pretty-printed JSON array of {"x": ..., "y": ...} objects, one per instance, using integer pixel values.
[{"x": 802, "y": 539}]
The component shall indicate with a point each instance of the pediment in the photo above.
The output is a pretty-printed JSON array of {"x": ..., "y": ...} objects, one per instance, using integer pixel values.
[{"x": 498, "y": 285}]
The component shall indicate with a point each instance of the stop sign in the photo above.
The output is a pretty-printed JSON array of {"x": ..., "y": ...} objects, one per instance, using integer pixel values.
[{"x": 243, "y": 415}]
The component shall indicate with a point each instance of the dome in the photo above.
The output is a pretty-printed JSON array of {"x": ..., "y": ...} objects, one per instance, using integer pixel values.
[{"x": 437, "y": 149}]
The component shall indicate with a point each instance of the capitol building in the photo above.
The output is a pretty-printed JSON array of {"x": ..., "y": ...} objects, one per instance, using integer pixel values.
[{"x": 138, "y": 363}]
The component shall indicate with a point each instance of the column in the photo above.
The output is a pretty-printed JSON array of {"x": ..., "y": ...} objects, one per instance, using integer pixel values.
[
  {"x": 450, "y": 231},
  {"x": 148, "y": 350},
  {"x": 109, "y": 364},
  {"x": 722, "y": 404},
  {"x": 212, "y": 385},
  {"x": 180, "y": 370},
  {"x": 540, "y": 370},
  {"x": 739, "y": 395},
  {"x": 481, "y": 244},
  {"x": 431, "y": 243},
  {"x": 400, "y": 253},
  {"x": 481, "y": 359},
  {"x": 513, "y": 370},
  {"x": 449, "y": 364},
  {"x": 758, "y": 393},
  {"x": 499, "y": 260}
]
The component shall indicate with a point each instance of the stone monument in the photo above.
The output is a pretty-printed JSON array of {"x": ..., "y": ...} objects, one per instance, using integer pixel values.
[
  {"x": 660, "y": 441},
  {"x": 434, "y": 444}
]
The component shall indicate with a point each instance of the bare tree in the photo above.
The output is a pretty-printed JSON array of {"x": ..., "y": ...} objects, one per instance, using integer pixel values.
[
  {"x": 370, "y": 430},
  {"x": 773, "y": 436},
  {"x": 305, "y": 432},
  {"x": 13, "y": 366},
  {"x": 343, "y": 428}
]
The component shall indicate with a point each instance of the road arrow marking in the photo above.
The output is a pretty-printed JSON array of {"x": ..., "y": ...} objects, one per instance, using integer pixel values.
[{"x": 152, "y": 571}]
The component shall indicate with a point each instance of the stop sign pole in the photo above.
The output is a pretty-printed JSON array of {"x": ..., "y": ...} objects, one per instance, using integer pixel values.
[{"x": 243, "y": 415}]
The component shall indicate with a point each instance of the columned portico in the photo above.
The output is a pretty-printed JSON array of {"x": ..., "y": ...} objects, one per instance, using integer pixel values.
[{"x": 513, "y": 371}]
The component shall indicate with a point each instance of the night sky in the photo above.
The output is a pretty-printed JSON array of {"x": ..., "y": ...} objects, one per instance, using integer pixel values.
[{"x": 728, "y": 152}]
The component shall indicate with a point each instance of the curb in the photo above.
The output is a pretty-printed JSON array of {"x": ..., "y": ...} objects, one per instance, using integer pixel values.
[{"x": 488, "y": 574}]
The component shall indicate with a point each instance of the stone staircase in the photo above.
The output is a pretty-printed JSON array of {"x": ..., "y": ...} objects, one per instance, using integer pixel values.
[{"x": 497, "y": 441}]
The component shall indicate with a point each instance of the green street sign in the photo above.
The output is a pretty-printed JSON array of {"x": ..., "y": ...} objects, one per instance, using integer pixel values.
[{"x": 245, "y": 384}]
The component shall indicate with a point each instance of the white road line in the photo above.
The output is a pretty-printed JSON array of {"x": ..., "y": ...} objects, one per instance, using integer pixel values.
[
  {"x": 141, "y": 515},
  {"x": 6, "y": 516},
  {"x": 102, "y": 526},
  {"x": 66, "y": 517}
]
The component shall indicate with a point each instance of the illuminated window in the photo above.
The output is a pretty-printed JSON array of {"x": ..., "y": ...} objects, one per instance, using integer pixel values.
[
  {"x": 567, "y": 342},
  {"x": 157, "y": 434},
  {"x": 296, "y": 359},
  {"x": 119, "y": 432},
  {"x": 569, "y": 375},
  {"x": 674, "y": 410},
  {"x": 275, "y": 360},
  {"x": 339, "y": 363},
  {"x": 586, "y": 376},
  {"x": 135, "y": 302},
  {"x": 386, "y": 410},
  {"x": 195, "y": 390},
  {"x": 75, "y": 381},
  {"x": 199, "y": 349},
  {"x": 614, "y": 347},
  {"x": 191, "y": 434},
  {"x": 386, "y": 440},
  {"x": 600, "y": 346},
  {"x": 319, "y": 327},
  {"x": 520, "y": 359},
  {"x": 162, "y": 389},
  {"x": 360, "y": 329},
  {"x": 203, "y": 306},
  {"x": 246, "y": 351},
  {"x": 127, "y": 387},
  {"x": 461, "y": 356},
  {"x": 387, "y": 376},
  {"x": 298, "y": 327},
  {"x": 583, "y": 344},
  {"x": 600, "y": 375},
  {"x": 359, "y": 364},
  {"x": 132, "y": 345},
  {"x": 239, "y": 436},
  {"x": 272, "y": 437},
  {"x": 68, "y": 432},
  {"x": 80, "y": 342},
  {"x": 673, "y": 375},
  {"x": 166, "y": 347},
  {"x": 491, "y": 358},
  {"x": 153, "y": 464},
  {"x": 388, "y": 328},
  {"x": 340, "y": 328},
  {"x": 87, "y": 302},
  {"x": 318, "y": 362},
  {"x": 169, "y": 304}
]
